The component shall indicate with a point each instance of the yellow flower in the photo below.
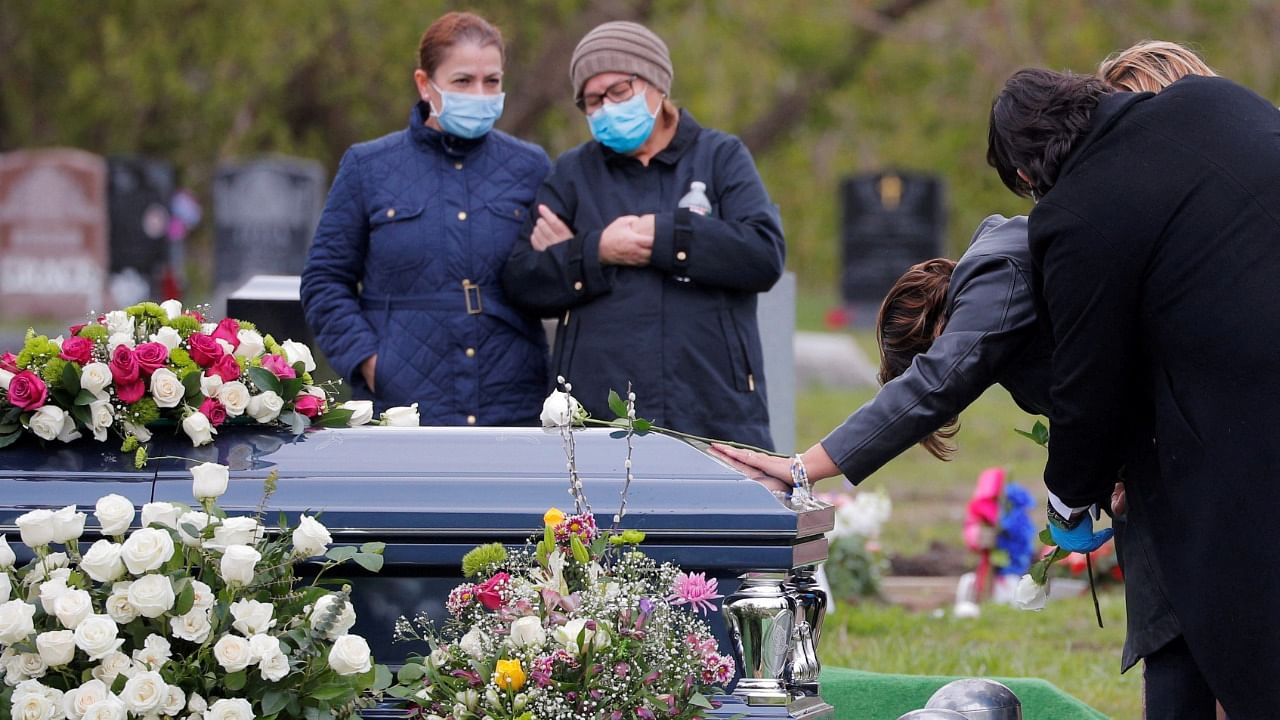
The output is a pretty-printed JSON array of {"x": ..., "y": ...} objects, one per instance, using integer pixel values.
[
  {"x": 509, "y": 675},
  {"x": 553, "y": 517}
]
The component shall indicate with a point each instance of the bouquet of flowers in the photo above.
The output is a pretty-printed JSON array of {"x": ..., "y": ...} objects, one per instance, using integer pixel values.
[
  {"x": 856, "y": 561},
  {"x": 579, "y": 624},
  {"x": 129, "y": 369},
  {"x": 194, "y": 615}
]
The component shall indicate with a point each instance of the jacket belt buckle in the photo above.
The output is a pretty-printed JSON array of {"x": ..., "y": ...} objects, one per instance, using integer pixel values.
[{"x": 470, "y": 290}]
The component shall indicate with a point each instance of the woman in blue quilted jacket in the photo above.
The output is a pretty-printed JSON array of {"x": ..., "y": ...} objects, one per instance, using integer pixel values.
[{"x": 401, "y": 285}]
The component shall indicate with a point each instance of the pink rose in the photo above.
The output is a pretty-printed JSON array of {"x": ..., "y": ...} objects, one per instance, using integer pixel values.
[
  {"x": 227, "y": 330},
  {"x": 77, "y": 349},
  {"x": 204, "y": 349},
  {"x": 279, "y": 367},
  {"x": 489, "y": 593},
  {"x": 225, "y": 367},
  {"x": 124, "y": 366},
  {"x": 150, "y": 356},
  {"x": 28, "y": 391},
  {"x": 132, "y": 391},
  {"x": 9, "y": 362},
  {"x": 213, "y": 410},
  {"x": 308, "y": 405}
]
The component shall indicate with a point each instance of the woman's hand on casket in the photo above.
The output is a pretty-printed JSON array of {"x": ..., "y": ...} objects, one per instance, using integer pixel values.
[
  {"x": 549, "y": 230},
  {"x": 777, "y": 468}
]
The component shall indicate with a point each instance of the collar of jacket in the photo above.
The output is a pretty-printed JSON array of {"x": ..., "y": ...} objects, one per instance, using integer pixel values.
[
  {"x": 1109, "y": 111},
  {"x": 687, "y": 131},
  {"x": 451, "y": 145}
]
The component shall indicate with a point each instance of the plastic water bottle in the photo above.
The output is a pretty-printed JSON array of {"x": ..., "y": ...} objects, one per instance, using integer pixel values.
[{"x": 696, "y": 199}]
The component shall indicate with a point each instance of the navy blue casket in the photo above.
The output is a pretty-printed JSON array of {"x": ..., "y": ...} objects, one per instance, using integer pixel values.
[{"x": 432, "y": 494}]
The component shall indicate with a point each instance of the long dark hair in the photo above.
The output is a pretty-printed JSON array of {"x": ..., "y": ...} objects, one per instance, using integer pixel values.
[
  {"x": 913, "y": 315},
  {"x": 1036, "y": 120}
]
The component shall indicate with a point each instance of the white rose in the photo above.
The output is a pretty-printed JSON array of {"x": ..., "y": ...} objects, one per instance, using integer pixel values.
[
  {"x": 72, "y": 607},
  {"x": 401, "y": 416},
  {"x": 97, "y": 636},
  {"x": 252, "y": 617},
  {"x": 1029, "y": 595},
  {"x": 68, "y": 524},
  {"x": 172, "y": 308},
  {"x": 161, "y": 513},
  {"x": 527, "y": 632},
  {"x": 204, "y": 595},
  {"x": 233, "y": 653},
  {"x": 559, "y": 409},
  {"x": 240, "y": 530},
  {"x": 238, "y": 562},
  {"x": 25, "y": 666},
  {"x": 209, "y": 385},
  {"x": 147, "y": 549},
  {"x": 341, "y": 623},
  {"x": 47, "y": 422},
  {"x": 234, "y": 396},
  {"x": 95, "y": 377},
  {"x": 6, "y": 377},
  {"x": 197, "y": 520},
  {"x": 102, "y": 416},
  {"x": 68, "y": 431},
  {"x": 225, "y": 345},
  {"x": 310, "y": 538},
  {"x": 229, "y": 709},
  {"x": 265, "y": 407},
  {"x": 472, "y": 643},
  {"x": 102, "y": 561},
  {"x": 15, "y": 621},
  {"x": 193, "y": 627},
  {"x": 152, "y": 595},
  {"x": 350, "y": 655},
  {"x": 7, "y": 556},
  {"x": 167, "y": 337},
  {"x": 196, "y": 703},
  {"x": 198, "y": 428},
  {"x": 138, "y": 431},
  {"x": 6, "y": 587},
  {"x": 77, "y": 701},
  {"x": 145, "y": 692},
  {"x": 49, "y": 592},
  {"x": 33, "y": 706},
  {"x": 110, "y": 709},
  {"x": 119, "y": 321},
  {"x": 55, "y": 564},
  {"x": 251, "y": 345},
  {"x": 273, "y": 666},
  {"x": 114, "y": 514},
  {"x": 361, "y": 412},
  {"x": 296, "y": 352},
  {"x": 154, "y": 653},
  {"x": 115, "y": 340},
  {"x": 112, "y": 666},
  {"x": 166, "y": 389},
  {"x": 118, "y": 606},
  {"x": 56, "y": 647},
  {"x": 209, "y": 480},
  {"x": 174, "y": 701}
]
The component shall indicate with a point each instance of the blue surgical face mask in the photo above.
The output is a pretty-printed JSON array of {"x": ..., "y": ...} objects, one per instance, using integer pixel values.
[
  {"x": 466, "y": 115},
  {"x": 623, "y": 127}
]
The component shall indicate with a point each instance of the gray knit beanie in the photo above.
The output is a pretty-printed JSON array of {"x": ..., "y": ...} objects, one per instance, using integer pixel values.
[{"x": 624, "y": 47}]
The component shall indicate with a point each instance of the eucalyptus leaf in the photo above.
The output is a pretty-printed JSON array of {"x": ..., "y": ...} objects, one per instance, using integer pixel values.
[
  {"x": 341, "y": 553},
  {"x": 411, "y": 672},
  {"x": 369, "y": 561},
  {"x": 186, "y": 596},
  {"x": 274, "y": 701},
  {"x": 330, "y": 692},
  {"x": 373, "y": 547},
  {"x": 616, "y": 404},
  {"x": 235, "y": 680},
  {"x": 642, "y": 426},
  {"x": 265, "y": 380},
  {"x": 335, "y": 418}
]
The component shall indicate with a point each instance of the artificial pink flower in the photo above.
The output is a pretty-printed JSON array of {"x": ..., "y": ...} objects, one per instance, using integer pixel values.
[
  {"x": 695, "y": 590},
  {"x": 28, "y": 391},
  {"x": 77, "y": 349},
  {"x": 279, "y": 366}
]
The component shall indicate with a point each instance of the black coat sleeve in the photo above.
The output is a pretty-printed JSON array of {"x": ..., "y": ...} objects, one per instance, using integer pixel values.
[{"x": 993, "y": 317}]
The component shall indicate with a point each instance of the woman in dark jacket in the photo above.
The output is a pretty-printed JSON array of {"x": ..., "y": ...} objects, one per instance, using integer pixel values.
[
  {"x": 402, "y": 282},
  {"x": 648, "y": 291}
]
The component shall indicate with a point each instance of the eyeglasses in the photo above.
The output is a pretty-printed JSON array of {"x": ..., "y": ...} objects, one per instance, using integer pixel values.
[{"x": 620, "y": 91}]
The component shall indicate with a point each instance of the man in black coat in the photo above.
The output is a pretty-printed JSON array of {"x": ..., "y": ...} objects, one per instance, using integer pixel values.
[{"x": 1157, "y": 233}]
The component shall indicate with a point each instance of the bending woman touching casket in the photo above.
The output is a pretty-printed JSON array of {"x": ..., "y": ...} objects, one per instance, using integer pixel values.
[{"x": 402, "y": 282}]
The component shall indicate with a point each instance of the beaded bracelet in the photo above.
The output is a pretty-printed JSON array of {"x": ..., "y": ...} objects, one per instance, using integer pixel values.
[{"x": 799, "y": 475}]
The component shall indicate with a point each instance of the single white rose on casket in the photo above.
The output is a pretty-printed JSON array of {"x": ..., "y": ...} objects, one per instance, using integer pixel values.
[
  {"x": 56, "y": 647},
  {"x": 98, "y": 636},
  {"x": 103, "y": 416},
  {"x": 265, "y": 407},
  {"x": 152, "y": 595},
  {"x": 233, "y": 653},
  {"x": 234, "y": 396},
  {"x": 114, "y": 514},
  {"x": 95, "y": 377},
  {"x": 1030, "y": 595},
  {"x": 16, "y": 622},
  {"x": 197, "y": 521},
  {"x": 528, "y": 632},
  {"x": 166, "y": 389},
  {"x": 154, "y": 653},
  {"x": 252, "y": 617},
  {"x": 401, "y": 416},
  {"x": 310, "y": 538},
  {"x": 72, "y": 607},
  {"x": 230, "y": 709},
  {"x": 161, "y": 513},
  {"x": 343, "y": 618},
  {"x": 36, "y": 527},
  {"x": 146, "y": 550},
  {"x": 198, "y": 428},
  {"x": 350, "y": 655},
  {"x": 167, "y": 337},
  {"x": 238, "y": 563},
  {"x": 560, "y": 409},
  {"x": 172, "y": 308},
  {"x": 47, "y": 422},
  {"x": 68, "y": 524},
  {"x": 103, "y": 561},
  {"x": 251, "y": 345},
  {"x": 210, "y": 384},
  {"x": 145, "y": 693},
  {"x": 209, "y": 480},
  {"x": 296, "y": 352},
  {"x": 361, "y": 412},
  {"x": 7, "y": 556}
]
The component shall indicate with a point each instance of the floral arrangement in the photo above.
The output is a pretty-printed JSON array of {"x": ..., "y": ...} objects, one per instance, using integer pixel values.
[
  {"x": 131, "y": 369},
  {"x": 855, "y": 559},
  {"x": 579, "y": 623},
  {"x": 194, "y": 615}
]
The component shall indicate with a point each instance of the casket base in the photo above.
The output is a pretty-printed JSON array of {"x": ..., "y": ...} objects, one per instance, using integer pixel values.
[{"x": 804, "y": 708}]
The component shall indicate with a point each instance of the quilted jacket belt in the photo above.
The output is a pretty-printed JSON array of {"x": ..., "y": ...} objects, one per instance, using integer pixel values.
[{"x": 465, "y": 300}]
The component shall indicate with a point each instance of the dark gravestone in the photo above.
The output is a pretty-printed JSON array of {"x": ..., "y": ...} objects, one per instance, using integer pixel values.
[
  {"x": 890, "y": 222},
  {"x": 138, "y": 192},
  {"x": 274, "y": 304},
  {"x": 265, "y": 213},
  {"x": 53, "y": 234}
]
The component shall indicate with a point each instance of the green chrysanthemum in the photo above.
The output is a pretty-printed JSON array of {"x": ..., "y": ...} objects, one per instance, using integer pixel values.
[
  {"x": 143, "y": 412},
  {"x": 94, "y": 332},
  {"x": 36, "y": 351},
  {"x": 52, "y": 373},
  {"x": 482, "y": 558},
  {"x": 184, "y": 324}
]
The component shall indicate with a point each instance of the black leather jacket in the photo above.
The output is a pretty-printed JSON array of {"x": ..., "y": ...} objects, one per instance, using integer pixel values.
[{"x": 993, "y": 335}]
